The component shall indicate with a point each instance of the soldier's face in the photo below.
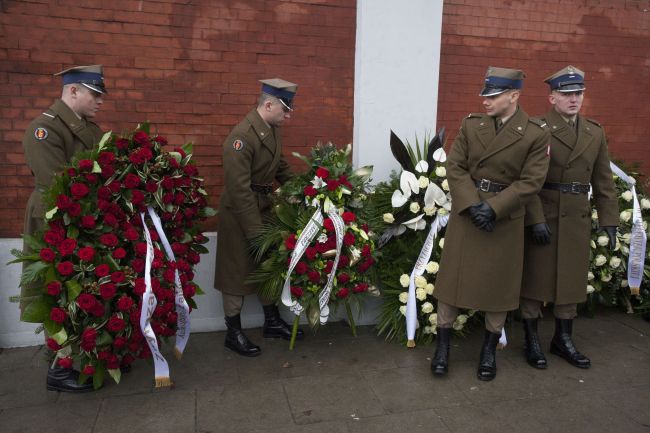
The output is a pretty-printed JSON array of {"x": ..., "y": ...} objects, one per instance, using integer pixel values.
[
  {"x": 278, "y": 113},
  {"x": 87, "y": 102},
  {"x": 502, "y": 104},
  {"x": 567, "y": 103}
]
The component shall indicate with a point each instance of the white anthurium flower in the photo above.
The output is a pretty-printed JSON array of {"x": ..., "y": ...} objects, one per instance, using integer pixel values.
[
  {"x": 318, "y": 182},
  {"x": 417, "y": 223},
  {"x": 435, "y": 195},
  {"x": 400, "y": 230},
  {"x": 439, "y": 155},
  {"x": 422, "y": 167},
  {"x": 398, "y": 199},
  {"x": 408, "y": 183}
]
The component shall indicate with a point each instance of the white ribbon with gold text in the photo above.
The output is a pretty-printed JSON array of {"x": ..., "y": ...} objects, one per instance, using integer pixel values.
[{"x": 339, "y": 230}]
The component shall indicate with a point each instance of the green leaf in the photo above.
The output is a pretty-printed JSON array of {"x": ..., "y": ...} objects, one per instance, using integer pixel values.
[
  {"x": 177, "y": 157},
  {"x": 37, "y": 311},
  {"x": 33, "y": 242},
  {"x": 66, "y": 219},
  {"x": 200, "y": 249},
  {"x": 22, "y": 257},
  {"x": 208, "y": 211},
  {"x": 60, "y": 337},
  {"x": 73, "y": 232},
  {"x": 199, "y": 290},
  {"x": 98, "y": 377},
  {"x": 191, "y": 303},
  {"x": 188, "y": 147},
  {"x": 51, "y": 326},
  {"x": 116, "y": 374},
  {"x": 96, "y": 167},
  {"x": 33, "y": 272},
  {"x": 74, "y": 289},
  {"x": 50, "y": 213},
  {"x": 104, "y": 338},
  {"x": 101, "y": 145}
]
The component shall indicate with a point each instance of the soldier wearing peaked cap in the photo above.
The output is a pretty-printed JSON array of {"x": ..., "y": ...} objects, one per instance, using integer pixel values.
[
  {"x": 50, "y": 142},
  {"x": 252, "y": 161},
  {"x": 497, "y": 163},
  {"x": 557, "y": 247}
]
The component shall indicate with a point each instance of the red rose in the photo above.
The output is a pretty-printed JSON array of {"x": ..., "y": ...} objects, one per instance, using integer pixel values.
[
  {"x": 131, "y": 234},
  {"x": 124, "y": 303},
  {"x": 179, "y": 248},
  {"x": 343, "y": 278},
  {"x": 151, "y": 186},
  {"x": 86, "y": 165},
  {"x": 296, "y": 291},
  {"x": 343, "y": 180},
  {"x": 102, "y": 270},
  {"x": 91, "y": 178},
  {"x": 115, "y": 186},
  {"x": 190, "y": 170},
  {"x": 53, "y": 237},
  {"x": 65, "y": 268},
  {"x": 104, "y": 193},
  {"x": 301, "y": 268},
  {"x": 89, "y": 334},
  {"x": 328, "y": 266},
  {"x": 119, "y": 253},
  {"x": 127, "y": 359},
  {"x": 348, "y": 239},
  {"x": 344, "y": 261},
  {"x": 107, "y": 172},
  {"x": 167, "y": 183},
  {"x": 115, "y": 324},
  {"x": 322, "y": 172},
  {"x": 88, "y": 370},
  {"x": 52, "y": 344},
  {"x": 328, "y": 224},
  {"x": 360, "y": 288},
  {"x": 290, "y": 241},
  {"x": 108, "y": 239},
  {"x": 131, "y": 181},
  {"x": 122, "y": 143},
  {"x": 169, "y": 275},
  {"x": 163, "y": 142},
  {"x": 72, "y": 172},
  {"x": 343, "y": 292},
  {"x": 314, "y": 276},
  {"x": 139, "y": 286},
  {"x": 54, "y": 288},
  {"x": 141, "y": 138},
  {"x": 107, "y": 290},
  {"x": 86, "y": 301},
  {"x": 365, "y": 251},
  {"x": 119, "y": 342},
  {"x": 106, "y": 158},
  {"x": 97, "y": 310},
  {"x": 74, "y": 210},
  {"x": 87, "y": 222},
  {"x": 332, "y": 185},
  {"x": 348, "y": 217},
  {"x": 67, "y": 246},
  {"x": 189, "y": 290},
  {"x": 63, "y": 202},
  {"x": 58, "y": 315},
  {"x": 309, "y": 191},
  {"x": 86, "y": 253},
  {"x": 113, "y": 362},
  {"x": 137, "y": 265},
  {"x": 47, "y": 255},
  {"x": 311, "y": 253},
  {"x": 117, "y": 277},
  {"x": 65, "y": 362},
  {"x": 111, "y": 220},
  {"x": 103, "y": 355},
  {"x": 79, "y": 190},
  {"x": 137, "y": 196}
]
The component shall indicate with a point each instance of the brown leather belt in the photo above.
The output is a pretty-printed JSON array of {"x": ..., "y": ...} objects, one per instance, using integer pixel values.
[
  {"x": 573, "y": 187},
  {"x": 487, "y": 185},
  {"x": 264, "y": 188}
]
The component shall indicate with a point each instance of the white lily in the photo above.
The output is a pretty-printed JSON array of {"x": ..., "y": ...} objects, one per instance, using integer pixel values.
[
  {"x": 417, "y": 223},
  {"x": 422, "y": 167},
  {"x": 318, "y": 182},
  {"x": 439, "y": 155}
]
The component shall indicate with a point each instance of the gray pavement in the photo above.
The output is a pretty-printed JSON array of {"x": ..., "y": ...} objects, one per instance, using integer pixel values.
[{"x": 335, "y": 383}]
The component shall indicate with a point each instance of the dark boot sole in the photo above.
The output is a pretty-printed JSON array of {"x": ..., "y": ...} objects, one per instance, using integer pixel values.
[
  {"x": 486, "y": 378},
  {"x": 439, "y": 371},
  {"x": 561, "y": 354},
  {"x": 536, "y": 365},
  {"x": 247, "y": 354}
]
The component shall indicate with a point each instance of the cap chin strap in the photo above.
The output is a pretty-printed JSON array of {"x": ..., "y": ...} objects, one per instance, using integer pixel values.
[{"x": 285, "y": 104}]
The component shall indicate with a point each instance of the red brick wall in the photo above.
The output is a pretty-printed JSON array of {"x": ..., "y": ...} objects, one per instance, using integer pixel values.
[
  {"x": 190, "y": 68},
  {"x": 608, "y": 39}
]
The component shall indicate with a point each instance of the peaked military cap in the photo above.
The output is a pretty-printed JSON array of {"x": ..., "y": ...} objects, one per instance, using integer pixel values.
[
  {"x": 91, "y": 77},
  {"x": 281, "y": 89},
  {"x": 499, "y": 80},
  {"x": 569, "y": 79}
]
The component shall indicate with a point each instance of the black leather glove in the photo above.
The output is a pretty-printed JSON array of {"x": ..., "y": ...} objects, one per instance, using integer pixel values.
[
  {"x": 541, "y": 233},
  {"x": 611, "y": 233},
  {"x": 482, "y": 216}
]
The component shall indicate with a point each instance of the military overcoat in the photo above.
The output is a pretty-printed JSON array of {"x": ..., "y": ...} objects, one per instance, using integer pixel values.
[
  {"x": 557, "y": 272},
  {"x": 252, "y": 154},
  {"x": 49, "y": 143},
  {"x": 482, "y": 270}
]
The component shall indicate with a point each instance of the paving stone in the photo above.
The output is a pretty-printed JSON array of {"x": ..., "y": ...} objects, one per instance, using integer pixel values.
[
  {"x": 63, "y": 417},
  {"x": 425, "y": 421},
  {"x": 25, "y": 387},
  {"x": 472, "y": 419},
  {"x": 21, "y": 357}
]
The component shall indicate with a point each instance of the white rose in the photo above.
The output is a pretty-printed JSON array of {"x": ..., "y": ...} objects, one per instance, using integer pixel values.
[
  {"x": 462, "y": 319},
  {"x": 441, "y": 244},
  {"x": 614, "y": 262},
  {"x": 420, "y": 281},
  {"x": 603, "y": 240},
  {"x": 625, "y": 216},
  {"x": 605, "y": 278},
  {"x": 432, "y": 267},
  {"x": 402, "y": 310},
  {"x": 441, "y": 172},
  {"x": 645, "y": 225},
  {"x": 626, "y": 238},
  {"x": 403, "y": 297},
  {"x": 428, "y": 330},
  {"x": 594, "y": 215},
  {"x": 457, "y": 326},
  {"x": 414, "y": 207},
  {"x": 624, "y": 283},
  {"x": 625, "y": 250},
  {"x": 645, "y": 203},
  {"x": 427, "y": 307},
  {"x": 429, "y": 289},
  {"x": 389, "y": 218},
  {"x": 627, "y": 195},
  {"x": 404, "y": 280},
  {"x": 423, "y": 182},
  {"x": 420, "y": 294},
  {"x": 590, "y": 275},
  {"x": 445, "y": 185},
  {"x": 593, "y": 244},
  {"x": 429, "y": 210},
  {"x": 433, "y": 319},
  {"x": 590, "y": 288},
  {"x": 600, "y": 260}
]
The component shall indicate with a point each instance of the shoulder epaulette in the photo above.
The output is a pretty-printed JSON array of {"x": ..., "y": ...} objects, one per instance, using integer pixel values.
[
  {"x": 539, "y": 122},
  {"x": 475, "y": 115},
  {"x": 594, "y": 122},
  {"x": 49, "y": 115}
]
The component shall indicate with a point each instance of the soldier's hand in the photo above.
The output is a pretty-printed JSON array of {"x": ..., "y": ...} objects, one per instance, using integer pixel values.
[
  {"x": 611, "y": 233},
  {"x": 541, "y": 233},
  {"x": 482, "y": 216}
]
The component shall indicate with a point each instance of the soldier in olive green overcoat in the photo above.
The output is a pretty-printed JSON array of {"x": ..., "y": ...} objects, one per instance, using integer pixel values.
[
  {"x": 497, "y": 163},
  {"x": 252, "y": 161},
  {"x": 557, "y": 245},
  {"x": 50, "y": 142}
]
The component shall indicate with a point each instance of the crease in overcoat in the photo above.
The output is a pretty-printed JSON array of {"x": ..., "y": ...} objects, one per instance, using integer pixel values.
[
  {"x": 557, "y": 272},
  {"x": 482, "y": 270}
]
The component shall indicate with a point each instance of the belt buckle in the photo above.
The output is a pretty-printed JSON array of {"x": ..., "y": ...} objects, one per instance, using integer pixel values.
[
  {"x": 484, "y": 185},
  {"x": 575, "y": 188}
]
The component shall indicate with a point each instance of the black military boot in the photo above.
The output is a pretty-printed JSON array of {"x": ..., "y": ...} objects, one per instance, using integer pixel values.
[
  {"x": 275, "y": 327},
  {"x": 532, "y": 348},
  {"x": 487, "y": 366},
  {"x": 440, "y": 360},
  {"x": 237, "y": 341},
  {"x": 66, "y": 380},
  {"x": 562, "y": 345}
]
